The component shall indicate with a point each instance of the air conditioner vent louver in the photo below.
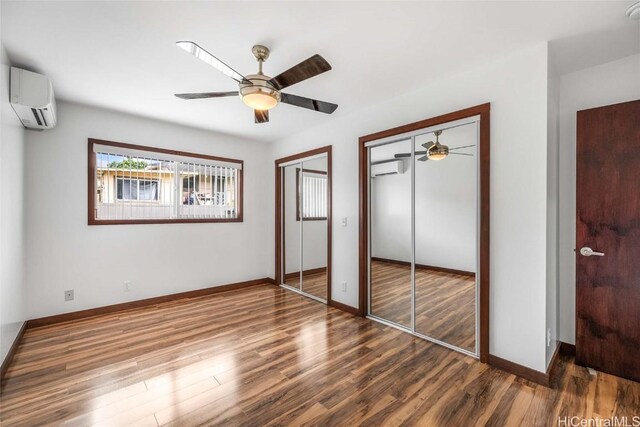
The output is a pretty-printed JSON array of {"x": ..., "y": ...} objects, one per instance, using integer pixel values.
[
  {"x": 32, "y": 99},
  {"x": 35, "y": 114}
]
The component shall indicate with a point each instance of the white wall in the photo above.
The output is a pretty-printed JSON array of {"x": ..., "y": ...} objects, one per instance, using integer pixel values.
[
  {"x": 605, "y": 84},
  {"x": 390, "y": 197},
  {"x": 12, "y": 225},
  {"x": 445, "y": 203},
  {"x": 65, "y": 253},
  {"x": 553, "y": 96},
  {"x": 516, "y": 86}
]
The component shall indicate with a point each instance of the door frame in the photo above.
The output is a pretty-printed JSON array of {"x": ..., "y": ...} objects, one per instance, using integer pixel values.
[
  {"x": 278, "y": 214},
  {"x": 585, "y": 348},
  {"x": 483, "y": 111}
]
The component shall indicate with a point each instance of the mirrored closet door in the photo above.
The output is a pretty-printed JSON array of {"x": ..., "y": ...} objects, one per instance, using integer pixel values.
[
  {"x": 390, "y": 219},
  {"x": 304, "y": 218},
  {"x": 423, "y": 233},
  {"x": 291, "y": 229}
]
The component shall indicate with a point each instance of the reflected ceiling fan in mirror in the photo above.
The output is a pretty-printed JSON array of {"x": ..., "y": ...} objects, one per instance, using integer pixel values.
[
  {"x": 260, "y": 91},
  {"x": 435, "y": 150}
]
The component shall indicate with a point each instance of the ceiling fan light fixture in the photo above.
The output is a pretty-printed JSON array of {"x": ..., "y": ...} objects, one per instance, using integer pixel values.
[
  {"x": 259, "y": 91},
  {"x": 260, "y": 101},
  {"x": 438, "y": 152},
  {"x": 259, "y": 94}
]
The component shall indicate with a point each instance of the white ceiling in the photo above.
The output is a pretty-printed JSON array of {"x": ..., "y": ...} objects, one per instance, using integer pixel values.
[{"x": 121, "y": 55}]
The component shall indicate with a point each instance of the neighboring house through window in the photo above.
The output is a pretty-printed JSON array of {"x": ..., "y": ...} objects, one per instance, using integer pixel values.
[
  {"x": 135, "y": 184},
  {"x": 136, "y": 189}
]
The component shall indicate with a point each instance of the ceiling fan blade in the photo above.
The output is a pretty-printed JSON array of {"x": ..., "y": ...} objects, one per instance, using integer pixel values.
[
  {"x": 423, "y": 159},
  {"x": 205, "y": 56},
  {"x": 311, "y": 104},
  {"x": 306, "y": 69},
  {"x": 461, "y": 154},
  {"x": 407, "y": 155},
  {"x": 429, "y": 144},
  {"x": 205, "y": 95},
  {"x": 464, "y": 146},
  {"x": 261, "y": 116}
]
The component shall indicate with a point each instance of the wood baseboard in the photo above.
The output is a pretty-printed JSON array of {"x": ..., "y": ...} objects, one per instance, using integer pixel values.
[
  {"x": 75, "y": 315},
  {"x": 426, "y": 267},
  {"x": 542, "y": 378},
  {"x": 344, "y": 307},
  {"x": 553, "y": 365},
  {"x": 567, "y": 349},
  {"x": 12, "y": 351},
  {"x": 305, "y": 272}
]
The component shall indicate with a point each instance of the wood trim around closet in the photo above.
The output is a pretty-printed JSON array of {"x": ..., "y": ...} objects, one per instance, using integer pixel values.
[
  {"x": 279, "y": 246},
  {"x": 484, "y": 112}
]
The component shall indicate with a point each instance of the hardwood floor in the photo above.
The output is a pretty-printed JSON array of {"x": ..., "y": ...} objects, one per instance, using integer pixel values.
[
  {"x": 266, "y": 356},
  {"x": 312, "y": 283},
  {"x": 445, "y": 302}
]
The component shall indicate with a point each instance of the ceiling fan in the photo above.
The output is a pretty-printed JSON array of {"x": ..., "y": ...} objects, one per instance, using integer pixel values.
[
  {"x": 260, "y": 91},
  {"x": 435, "y": 150}
]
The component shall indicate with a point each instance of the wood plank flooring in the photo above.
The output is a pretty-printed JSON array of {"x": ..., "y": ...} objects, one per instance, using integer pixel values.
[
  {"x": 312, "y": 283},
  {"x": 266, "y": 356},
  {"x": 445, "y": 302}
]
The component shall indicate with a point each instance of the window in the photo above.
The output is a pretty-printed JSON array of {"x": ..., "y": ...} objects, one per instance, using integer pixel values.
[
  {"x": 136, "y": 189},
  {"x": 314, "y": 195},
  {"x": 132, "y": 184}
]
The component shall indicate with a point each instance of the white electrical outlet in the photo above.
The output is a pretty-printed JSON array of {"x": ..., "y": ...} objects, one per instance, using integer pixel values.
[
  {"x": 344, "y": 286},
  {"x": 127, "y": 286},
  {"x": 68, "y": 295},
  {"x": 548, "y": 337},
  {"x": 344, "y": 221}
]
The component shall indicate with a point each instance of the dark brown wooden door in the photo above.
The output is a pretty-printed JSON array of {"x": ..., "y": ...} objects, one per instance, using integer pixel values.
[{"x": 608, "y": 222}]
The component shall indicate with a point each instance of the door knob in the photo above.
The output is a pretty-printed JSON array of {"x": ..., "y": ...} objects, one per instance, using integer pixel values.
[{"x": 587, "y": 251}]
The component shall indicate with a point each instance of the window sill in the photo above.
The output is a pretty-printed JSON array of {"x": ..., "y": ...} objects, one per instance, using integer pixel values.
[{"x": 161, "y": 221}]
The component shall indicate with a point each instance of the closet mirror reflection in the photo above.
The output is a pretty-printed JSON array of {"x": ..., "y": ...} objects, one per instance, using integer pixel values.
[
  {"x": 312, "y": 181},
  {"x": 291, "y": 230},
  {"x": 423, "y": 233},
  {"x": 304, "y": 216},
  {"x": 390, "y": 213}
]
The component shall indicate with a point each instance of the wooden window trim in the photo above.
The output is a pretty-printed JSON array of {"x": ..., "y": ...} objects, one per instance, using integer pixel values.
[
  {"x": 298, "y": 194},
  {"x": 91, "y": 198}
]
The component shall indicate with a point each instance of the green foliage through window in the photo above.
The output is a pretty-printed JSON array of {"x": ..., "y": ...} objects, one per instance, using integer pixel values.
[{"x": 128, "y": 164}]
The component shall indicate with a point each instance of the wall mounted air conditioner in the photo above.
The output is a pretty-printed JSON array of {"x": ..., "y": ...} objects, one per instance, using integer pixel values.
[
  {"x": 387, "y": 168},
  {"x": 32, "y": 99}
]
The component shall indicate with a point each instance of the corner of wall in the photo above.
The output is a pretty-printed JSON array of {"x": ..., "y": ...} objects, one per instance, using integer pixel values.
[
  {"x": 12, "y": 226},
  {"x": 552, "y": 297}
]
